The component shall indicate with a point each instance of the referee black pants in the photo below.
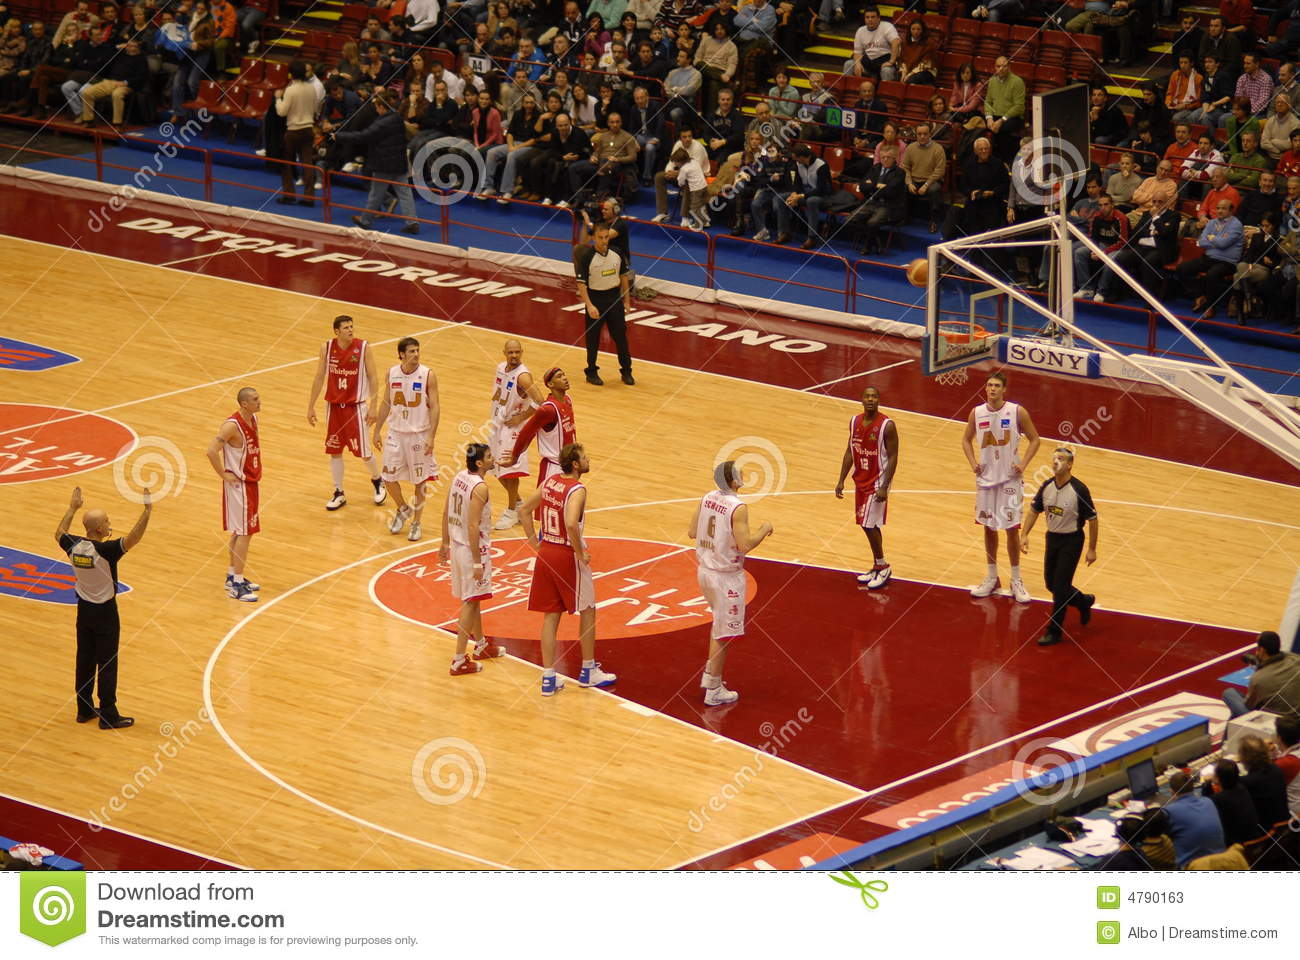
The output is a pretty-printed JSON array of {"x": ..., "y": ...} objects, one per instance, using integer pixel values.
[
  {"x": 1060, "y": 561},
  {"x": 98, "y": 632},
  {"x": 609, "y": 304}
]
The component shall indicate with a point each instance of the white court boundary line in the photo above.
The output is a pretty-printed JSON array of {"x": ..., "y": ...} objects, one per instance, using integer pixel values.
[
  {"x": 447, "y": 324},
  {"x": 330, "y": 808},
  {"x": 861, "y": 793},
  {"x": 128, "y": 833},
  {"x": 640, "y": 706},
  {"x": 569, "y": 346},
  {"x": 280, "y": 782},
  {"x": 854, "y": 376}
]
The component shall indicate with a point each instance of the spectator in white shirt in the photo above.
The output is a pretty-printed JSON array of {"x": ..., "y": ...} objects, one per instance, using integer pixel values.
[{"x": 875, "y": 48}]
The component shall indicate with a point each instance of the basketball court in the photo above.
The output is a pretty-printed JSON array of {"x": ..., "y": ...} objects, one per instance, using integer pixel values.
[{"x": 319, "y": 728}]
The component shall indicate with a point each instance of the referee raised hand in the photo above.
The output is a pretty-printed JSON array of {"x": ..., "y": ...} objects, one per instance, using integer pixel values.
[{"x": 94, "y": 558}]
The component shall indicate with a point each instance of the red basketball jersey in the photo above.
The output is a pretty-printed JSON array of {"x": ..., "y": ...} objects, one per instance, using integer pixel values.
[
  {"x": 555, "y": 438},
  {"x": 245, "y": 462},
  {"x": 555, "y": 497},
  {"x": 346, "y": 373},
  {"x": 869, "y": 454}
]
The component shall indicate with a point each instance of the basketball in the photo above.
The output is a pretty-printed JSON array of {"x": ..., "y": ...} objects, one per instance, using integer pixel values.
[{"x": 918, "y": 272}]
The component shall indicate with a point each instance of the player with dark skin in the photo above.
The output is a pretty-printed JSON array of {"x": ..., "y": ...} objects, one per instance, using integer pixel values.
[{"x": 870, "y": 407}]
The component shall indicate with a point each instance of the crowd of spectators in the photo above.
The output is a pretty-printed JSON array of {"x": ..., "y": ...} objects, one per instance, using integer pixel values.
[
  {"x": 1242, "y": 811},
  {"x": 1236, "y": 814},
  {"x": 566, "y": 105}
]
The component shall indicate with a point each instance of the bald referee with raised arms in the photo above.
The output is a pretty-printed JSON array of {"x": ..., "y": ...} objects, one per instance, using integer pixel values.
[
  {"x": 94, "y": 559},
  {"x": 606, "y": 291},
  {"x": 1068, "y": 505}
]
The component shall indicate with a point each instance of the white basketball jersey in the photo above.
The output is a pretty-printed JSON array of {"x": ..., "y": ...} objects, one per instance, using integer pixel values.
[
  {"x": 510, "y": 400},
  {"x": 997, "y": 442},
  {"x": 715, "y": 544},
  {"x": 462, "y": 489},
  {"x": 408, "y": 399}
]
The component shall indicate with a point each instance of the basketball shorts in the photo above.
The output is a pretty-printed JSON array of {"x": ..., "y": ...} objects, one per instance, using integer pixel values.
[
  {"x": 561, "y": 582},
  {"x": 549, "y": 468},
  {"x": 725, "y": 592},
  {"x": 239, "y": 508},
  {"x": 345, "y": 428},
  {"x": 869, "y": 511},
  {"x": 501, "y": 443},
  {"x": 407, "y": 459},
  {"x": 464, "y": 585},
  {"x": 1000, "y": 507}
]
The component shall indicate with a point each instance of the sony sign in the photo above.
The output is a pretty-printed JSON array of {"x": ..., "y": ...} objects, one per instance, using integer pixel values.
[{"x": 1039, "y": 355}]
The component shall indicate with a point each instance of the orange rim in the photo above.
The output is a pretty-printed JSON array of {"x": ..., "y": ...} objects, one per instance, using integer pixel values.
[{"x": 958, "y": 331}]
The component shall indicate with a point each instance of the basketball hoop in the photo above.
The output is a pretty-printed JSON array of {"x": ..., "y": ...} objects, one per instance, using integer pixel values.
[{"x": 958, "y": 333}]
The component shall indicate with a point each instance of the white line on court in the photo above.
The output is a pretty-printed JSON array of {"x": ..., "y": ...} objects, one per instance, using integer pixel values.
[
  {"x": 370, "y": 587},
  {"x": 129, "y": 833},
  {"x": 201, "y": 256},
  {"x": 278, "y": 781},
  {"x": 852, "y": 376},
  {"x": 432, "y": 331},
  {"x": 656, "y": 363}
]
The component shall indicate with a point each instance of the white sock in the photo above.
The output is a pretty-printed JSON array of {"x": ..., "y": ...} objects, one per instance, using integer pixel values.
[
  {"x": 371, "y": 465},
  {"x": 1015, "y": 572},
  {"x": 230, "y": 571},
  {"x": 588, "y": 664},
  {"x": 709, "y": 681},
  {"x": 336, "y": 471},
  {"x": 239, "y": 578},
  {"x": 882, "y": 562},
  {"x": 548, "y": 674},
  {"x": 993, "y": 569},
  {"x": 458, "y": 660}
]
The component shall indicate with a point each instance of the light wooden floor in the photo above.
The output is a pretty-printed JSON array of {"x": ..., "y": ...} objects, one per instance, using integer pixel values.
[{"x": 329, "y": 699}]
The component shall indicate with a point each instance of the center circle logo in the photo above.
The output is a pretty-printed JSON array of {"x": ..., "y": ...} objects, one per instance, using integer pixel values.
[
  {"x": 50, "y": 443},
  {"x": 643, "y": 588}
]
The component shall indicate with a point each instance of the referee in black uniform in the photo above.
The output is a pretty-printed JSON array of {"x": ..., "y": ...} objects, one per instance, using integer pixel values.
[
  {"x": 1068, "y": 505},
  {"x": 603, "y": 284},
  {"x": 94, "y": 558}
]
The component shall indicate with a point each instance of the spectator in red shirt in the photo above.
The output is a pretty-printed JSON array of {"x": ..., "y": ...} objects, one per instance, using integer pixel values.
[
  {"x": 1220, "y": 189},
  {"x": 1182, "y": 148},
  {"x": 1289, "y": 163},
  {"x": 1288, "y": 735},
  {"x": 1239, "y": 16}
]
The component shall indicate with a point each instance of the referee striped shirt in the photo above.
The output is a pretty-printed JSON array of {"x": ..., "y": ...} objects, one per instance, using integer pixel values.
[{"x": 1067, "y": 507}]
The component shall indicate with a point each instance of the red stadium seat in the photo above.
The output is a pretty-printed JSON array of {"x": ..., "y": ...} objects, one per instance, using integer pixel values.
[
  {"x": 275, "y": 74},
  {"x": 994, "y": 40},
  {"x": 251, "y": 70}
]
